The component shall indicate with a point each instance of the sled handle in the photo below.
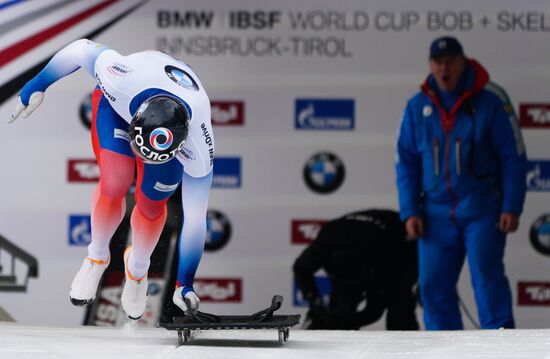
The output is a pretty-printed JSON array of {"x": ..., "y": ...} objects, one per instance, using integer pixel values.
[
  {"x": 276, "y": 303},
  {"x": 267, "y": 314}
]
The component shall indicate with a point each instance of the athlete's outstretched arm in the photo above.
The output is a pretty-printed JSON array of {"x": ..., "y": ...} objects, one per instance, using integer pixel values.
[
  {"x": 194, "y": 193},
  {"x": 80, "y": 53}
]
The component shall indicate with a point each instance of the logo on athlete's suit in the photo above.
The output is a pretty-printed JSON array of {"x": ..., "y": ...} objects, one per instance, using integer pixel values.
[
  {"x": 534, "y": 293},
  {"x": 325, "y": 114},
  {"x": 218, "y": 230},
  {"x": 181, "y": 77},
  {"x": 227, "y": 113},
  {"x": 534, "y": 115},
  {"x": 323, "y": 285},
  {"x": 119, "y": 69},
  {"x": 85, "y": 111},
  {"x": 82, "y": 170},
  {"x": 219, "y": 290},
  {"x": 80, "y": 230},
  {"x": 227, "y": 172},
  {"x": 539, "y": 234},
  {"x": 187, "y": 154},
  {"x": 538, "y": 176},
  {"x": 324, "y": 172},
  {"x": 161, "y": 138},
  {"x": 304, "y": 231}
]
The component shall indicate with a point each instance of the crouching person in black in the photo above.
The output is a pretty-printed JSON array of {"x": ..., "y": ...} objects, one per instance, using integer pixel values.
[{"x": 368, "y": 259}]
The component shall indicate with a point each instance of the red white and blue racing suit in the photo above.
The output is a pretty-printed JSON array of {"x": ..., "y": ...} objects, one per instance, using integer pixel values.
[
  {"x": 123, "y": 84},
  {"x": 461, "y": 163}
]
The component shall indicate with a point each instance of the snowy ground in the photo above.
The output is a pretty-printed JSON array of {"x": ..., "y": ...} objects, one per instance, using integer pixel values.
[{"x": 20, "y": 342}]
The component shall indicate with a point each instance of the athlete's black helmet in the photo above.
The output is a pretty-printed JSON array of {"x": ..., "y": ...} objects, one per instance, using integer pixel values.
[{"x": 159, "y": 129}]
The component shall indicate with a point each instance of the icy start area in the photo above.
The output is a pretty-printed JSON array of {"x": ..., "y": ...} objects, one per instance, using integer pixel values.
[{"x": 22, "y": 342}]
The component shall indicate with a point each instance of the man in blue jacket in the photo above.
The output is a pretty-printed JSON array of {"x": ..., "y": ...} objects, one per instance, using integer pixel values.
[{"x": 461, "y": 167}]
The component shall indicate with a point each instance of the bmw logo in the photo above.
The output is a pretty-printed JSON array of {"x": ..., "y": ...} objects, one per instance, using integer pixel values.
[
  {"x": 218, "y": 230},
  {"x": 539, "y": 234},
  {"x": 324, "y": 172},
  {"x": 181, "y": 77},
  {"x": 85, "y": 111}
]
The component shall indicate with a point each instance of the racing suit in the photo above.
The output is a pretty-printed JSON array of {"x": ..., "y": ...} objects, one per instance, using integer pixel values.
[{"x": 123, "y": 84}]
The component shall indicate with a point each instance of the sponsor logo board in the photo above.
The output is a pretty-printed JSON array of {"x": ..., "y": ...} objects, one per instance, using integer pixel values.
[
  {"x": 82, "y": 170},
  {"x": 227, "y": 113},
  {"x": 304, "y": 231},
  {"x": 325, "y": 114},
  {"x": 227, "y": 172},
  {"x": 80, "y": 230},
  {"x": 538, "y": 176},
  {"x": 219, "y": 290},
  {"x": 324, "y": 172},
  {"x": 534, "y": 115},
  {"x": 532, "y": 293}
]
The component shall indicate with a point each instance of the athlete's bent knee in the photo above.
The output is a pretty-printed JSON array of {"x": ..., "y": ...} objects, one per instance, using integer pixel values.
[{"x": 152, "y": 210}]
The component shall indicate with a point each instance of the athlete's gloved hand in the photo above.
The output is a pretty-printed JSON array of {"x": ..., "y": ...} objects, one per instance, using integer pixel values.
[
  {"x": 186, "y": 299},
  {"x": 34, "y": 101},
  {"x": 317, "y": 316}
]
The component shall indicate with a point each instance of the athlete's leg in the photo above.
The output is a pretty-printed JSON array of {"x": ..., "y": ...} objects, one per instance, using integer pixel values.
[
  {"x": 155, "y": 184},
  {"x": 117, "y": 169},
  {"x": 116, "y": 164}
]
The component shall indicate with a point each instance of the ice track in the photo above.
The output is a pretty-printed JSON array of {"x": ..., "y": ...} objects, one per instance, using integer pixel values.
[{"x": 23, "y": 341}]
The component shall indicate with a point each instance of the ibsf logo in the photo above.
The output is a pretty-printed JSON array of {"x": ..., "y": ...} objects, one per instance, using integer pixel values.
[
  {"x": 218, "y": 230},
  {"x": 119, "y": 69},
  {"x": 219, "y": 290},
  {"x": 534, "y": 293},
  {"x": 330, "y": 115},
  {"x": 534, "y": 115},
  {"x": 324, "y": 172},
  {"x": 227, "y": 113},
  {"x": 80, "y": 230},
  {"x": 227, "y": 172},
  {"x": 539, "y": 234},
  {"x": 304, "y": 231},
  {"x": 82, "y": 170},
  {"x": 323, "y": 286},
  {"x": 538, "y": 176}
]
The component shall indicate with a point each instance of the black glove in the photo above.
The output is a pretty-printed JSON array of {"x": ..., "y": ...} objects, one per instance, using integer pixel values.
[{"x": 317, "y": 316}]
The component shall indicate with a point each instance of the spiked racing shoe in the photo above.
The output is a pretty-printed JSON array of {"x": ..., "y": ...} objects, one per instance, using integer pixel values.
[
  {"x": 134, "y": 293},
  {"x": 84, "y": 285}
]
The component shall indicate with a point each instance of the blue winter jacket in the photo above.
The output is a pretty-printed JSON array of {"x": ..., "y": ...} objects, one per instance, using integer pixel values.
[{"x": 465, "y": 162}]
